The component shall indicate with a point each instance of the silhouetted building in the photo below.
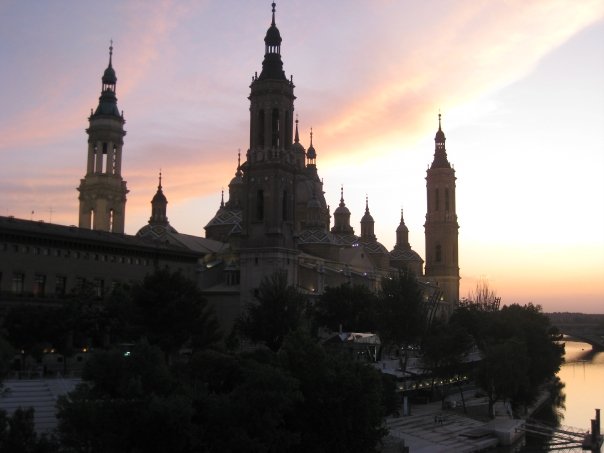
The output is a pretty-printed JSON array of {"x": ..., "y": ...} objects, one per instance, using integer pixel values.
[{"x": 276, "y": 218}]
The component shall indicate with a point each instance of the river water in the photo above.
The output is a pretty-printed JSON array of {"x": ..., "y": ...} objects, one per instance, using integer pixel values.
[{"x": 583, "y": 377}]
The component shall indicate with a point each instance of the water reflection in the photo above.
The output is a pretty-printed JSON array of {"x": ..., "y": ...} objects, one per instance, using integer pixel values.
[{"x": 574, "y": 400}]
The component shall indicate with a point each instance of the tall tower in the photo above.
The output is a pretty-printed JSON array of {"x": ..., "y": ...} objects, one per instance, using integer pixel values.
[
  {"x": 441, "y": 228},
  {"x": 103, "y": 190},
  {"x": 267, "y": 238}
]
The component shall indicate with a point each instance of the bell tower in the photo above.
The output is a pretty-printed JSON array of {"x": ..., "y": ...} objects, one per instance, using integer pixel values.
[
  {"x": 441, "y": 227},
  {"x": 269, "y": 173},
  {"x": 103, "y": 190}
]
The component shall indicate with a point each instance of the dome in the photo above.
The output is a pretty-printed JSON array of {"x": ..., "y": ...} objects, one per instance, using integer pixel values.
[
  {"x": 273, "y": 37},
  {"x": 237, "y": 179},
  {"x": 311, "y": 153},
  {"x": 159, "y": 197},
  {"x": 405, "y": 255},
  {"x": 342, "y": 209},
  {"x": 367, "y": 218},
  {"x": 109, "y": 77},
  {"x": 440, "y": 136}
]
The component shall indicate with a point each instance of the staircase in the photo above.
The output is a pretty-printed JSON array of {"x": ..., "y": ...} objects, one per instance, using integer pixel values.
[{"x": 41, "y": 394}]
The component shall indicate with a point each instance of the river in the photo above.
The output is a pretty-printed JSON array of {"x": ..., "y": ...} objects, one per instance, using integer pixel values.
[{"x": 583, "y": 377}]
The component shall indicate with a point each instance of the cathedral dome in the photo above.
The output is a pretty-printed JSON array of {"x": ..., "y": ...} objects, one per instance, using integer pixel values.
[{"x": 237, "y": 179}]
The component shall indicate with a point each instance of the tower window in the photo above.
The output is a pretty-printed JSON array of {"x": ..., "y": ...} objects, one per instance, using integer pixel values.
[
  {"x": 288, "y": 128},
  {"x": 275, "y": 128},
  {"x": 91, "y": 219},
  {"x": 447, "y": 200},
  {"x": 436, "y": 200},
  {"x": 284, "y": 205},
  {"x": 260, "y": 128},
  {"x": 439, "y": 253},
  {"x": 260, "y": 205},
  {"x": 114, "y": 161},
  {"x": 104, "y": 163},
  {"x": 111, "y": 220}
]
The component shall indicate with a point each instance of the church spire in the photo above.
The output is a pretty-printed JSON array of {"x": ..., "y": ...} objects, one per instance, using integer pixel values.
[
  {"x": 159, "y": 205},
  {"x": 367, "y": 224},
  {"x": 440, "y": 152},
  {"x": 441, "y": 227},
  {"x": 402, "y": 235},
  {"x": 341, "y": 217},
  {"x": 296, "y": 136},
  {"x": 272, "y": 66},
  {"x": 103, "y": 198},
  {"x": 108, "y": 101},
  {"x": 311, "y": 153},
  {"x": 238, "y": 173}
]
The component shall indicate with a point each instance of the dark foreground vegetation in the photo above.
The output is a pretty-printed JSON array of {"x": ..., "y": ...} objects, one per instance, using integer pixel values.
[{"x": 162, "y": 377}]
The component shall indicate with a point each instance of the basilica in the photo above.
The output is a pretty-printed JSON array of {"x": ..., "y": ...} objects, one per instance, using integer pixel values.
[{"x": 275, "y": 218}]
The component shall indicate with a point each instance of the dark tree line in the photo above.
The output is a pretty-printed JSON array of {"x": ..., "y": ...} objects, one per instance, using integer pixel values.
[{"x": 291, "y": 396}]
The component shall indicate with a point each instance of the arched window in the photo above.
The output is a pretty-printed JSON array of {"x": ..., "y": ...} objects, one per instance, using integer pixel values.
[
  {"x": 439, "y": 253},
  {"x": 260, "y": 205},
  {"x": 447, "y": 200},
  {"x": 284, "y": 207},
  {"x": 91, "y": 219}
]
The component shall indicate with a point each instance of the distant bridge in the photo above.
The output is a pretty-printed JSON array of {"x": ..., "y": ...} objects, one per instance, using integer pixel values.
[{"x": 588, "y": 328}]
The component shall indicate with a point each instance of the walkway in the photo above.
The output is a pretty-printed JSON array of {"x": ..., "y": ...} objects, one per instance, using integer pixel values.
[{"x": 429, "y": 428}]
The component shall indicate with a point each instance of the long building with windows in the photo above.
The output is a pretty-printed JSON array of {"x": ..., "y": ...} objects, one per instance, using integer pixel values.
[{"x": 275, "y": 219}]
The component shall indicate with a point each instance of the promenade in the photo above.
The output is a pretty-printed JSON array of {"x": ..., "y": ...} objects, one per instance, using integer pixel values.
[{"x": 430, "y": 429}]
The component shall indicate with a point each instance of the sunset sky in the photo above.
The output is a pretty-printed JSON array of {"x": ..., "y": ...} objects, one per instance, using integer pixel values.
[{"x": 520, "y": 85}]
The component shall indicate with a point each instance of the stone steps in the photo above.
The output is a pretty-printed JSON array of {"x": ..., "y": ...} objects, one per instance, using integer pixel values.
[{"x": 41, "y": 394}]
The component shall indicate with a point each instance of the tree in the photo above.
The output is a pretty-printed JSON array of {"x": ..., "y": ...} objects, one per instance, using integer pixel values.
[
  {"x": 444, "y": 350},
  {"x": 350, "y": 307},
  {"x": 247, "y": 403},
  {"x": 127, "y": 403},
  {"x": 483, "y": 297},
  {"x": 17, "y": 434},
  {"x": 503, "y": 371},
  {"x": 169, "y": 310},
  {"x": 530, "y": 341},
  {"x": 341, "y": 407},
  {"x": 279, "y": 309},
  {"x": 401, "y": 312}
]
